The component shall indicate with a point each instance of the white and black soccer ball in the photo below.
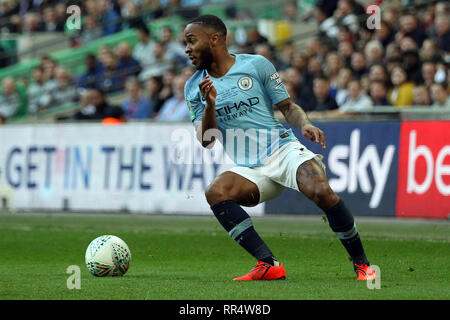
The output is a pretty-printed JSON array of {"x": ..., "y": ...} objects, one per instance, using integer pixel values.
[{"x": 108, "y": 255}]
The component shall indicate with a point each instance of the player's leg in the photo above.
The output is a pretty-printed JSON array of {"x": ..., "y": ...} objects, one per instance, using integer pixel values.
[
  {"x": 225, "y": 195},
  {"x": 312, "y": 181}
]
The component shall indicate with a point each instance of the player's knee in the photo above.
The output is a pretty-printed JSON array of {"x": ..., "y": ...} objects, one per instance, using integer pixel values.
[
  {"x": 322, "y": 194},
  {"x": 215, "y": 194}
]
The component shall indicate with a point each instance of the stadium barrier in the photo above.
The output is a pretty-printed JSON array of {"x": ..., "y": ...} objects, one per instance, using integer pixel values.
[{"x": 380, "y": 168}]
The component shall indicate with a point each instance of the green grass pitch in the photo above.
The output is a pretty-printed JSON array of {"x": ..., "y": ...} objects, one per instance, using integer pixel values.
[{"x": 192, "y": 257}]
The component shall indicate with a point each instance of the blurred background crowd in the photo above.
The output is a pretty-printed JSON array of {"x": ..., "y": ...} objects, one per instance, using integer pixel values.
[{"x": 343, "y": 66}]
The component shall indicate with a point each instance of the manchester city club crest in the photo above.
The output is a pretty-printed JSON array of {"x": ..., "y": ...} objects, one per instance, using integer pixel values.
[{"x": 245, "y": 83}]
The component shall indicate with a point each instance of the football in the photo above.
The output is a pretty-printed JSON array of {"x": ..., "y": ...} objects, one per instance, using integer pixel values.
[{"x": 108, "y": 255}]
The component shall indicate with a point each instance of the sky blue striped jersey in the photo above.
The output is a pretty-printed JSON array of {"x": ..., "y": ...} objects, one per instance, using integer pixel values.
[{"x": 244, "y": 109}]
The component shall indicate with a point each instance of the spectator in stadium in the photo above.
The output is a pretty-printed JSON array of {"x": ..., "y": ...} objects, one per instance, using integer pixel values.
[
  {"x": 175, "y": 108},
  {"x": 320, "y": 16},
  {"x": 313, "y": 48},
  {"x": 442, "y": 30},
  {"x": 107, "y": 17},
  {"x": 345, "y": 51},
  {"x": 87, "y": 108},
  {"x": 401, "y": 94},
  {"x": 49, "y": 65},
  {"x": 343, "y": 15},
  {"x": 12, "y": 100},
  {"x": 393, "y": 51},
  {"x": 314, "y": 69},
  {"x": 160, "y": 65},
  {"x": 290, "y": 11},
  {"x": 406, "y": 44},
  {"x": 412, "y": 65},
  {"x": 327, "y": 6},
  {"x": 358, "y": 64},
  {"x": 384, "y": 34},
  {"x": 378, "y": 72},
  {"x": 429, "y": 49},
  {"x": 345, "y": 75},
  {"x": 394, "y": 62},
  {"x": 166, "y": 91},
  {"x": 332, "y": 67},
  {"x": 231, "y": 43},
  {"x": 38, "y": 91},
  {"x": 322, "y": 100},
  {"x": 287, "y": 55},
  {"x": 294, "y": 78},
  {"x": 440, "y": 96},
  {"x": 91, "y": 30},
  {"x": 174, "y": 50},
  {"x": 96, "y": 107},
  {"x": 345, "y": 35},
  {"x": 130, "y": 11},
  {"x": 135, "y": 105},
  {"x": 112, "y": 81},
  {"x": 299, "y": 61},
  {"x": 421, "y": 96},
  {"x": 61, "y": 10},
  {"x": 254, "y": 38},
  {"x": 390, "y": 15},
  {"x": 428, "y": 73},
  {"x": 51, "y": 23},
  {"x": 66, "y": 90},
  {"x": 265, "y": 50},
  {"x": 378, "y": 93},
  {"x": 32, "y": 23},
  {"x": 410, "y": 27},
  {"x": 143, "y": 50},
  {"x": 94, "y": 73},
  {"x": 374, "y": 52},
  {"x": 357, "y": 99},
  {"x": 127, "y": 65},
  {"x": 153, "y": 86}
]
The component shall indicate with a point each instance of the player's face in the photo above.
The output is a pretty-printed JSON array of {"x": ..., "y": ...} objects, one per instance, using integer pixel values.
[{"x": 198, "y": 46}]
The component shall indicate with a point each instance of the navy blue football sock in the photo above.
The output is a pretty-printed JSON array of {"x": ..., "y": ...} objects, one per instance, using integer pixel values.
[
  {"x": 240, "y": 227},
  {"x": 342, "y": 223}
]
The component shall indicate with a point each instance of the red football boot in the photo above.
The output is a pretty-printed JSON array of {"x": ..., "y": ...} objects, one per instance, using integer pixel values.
[
  {"x": 364, "y": 272},
  {"x": 265, "y": 271}
]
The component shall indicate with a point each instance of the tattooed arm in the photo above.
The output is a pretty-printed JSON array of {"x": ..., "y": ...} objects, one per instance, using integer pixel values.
[{"x": 295, "y": 116}]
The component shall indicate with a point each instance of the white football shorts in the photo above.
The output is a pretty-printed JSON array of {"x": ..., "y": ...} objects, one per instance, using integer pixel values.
[{"x": 279, "y": 171}]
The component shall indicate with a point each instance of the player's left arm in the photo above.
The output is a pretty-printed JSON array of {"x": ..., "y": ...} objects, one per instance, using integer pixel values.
[
  {"x": 297, "y": 117},
  {"x": 279, "y": 96}
]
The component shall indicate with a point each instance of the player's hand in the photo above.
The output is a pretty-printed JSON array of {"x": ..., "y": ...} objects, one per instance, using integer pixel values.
[
  {"x": 208, "y": 91},
  {"x": 314, "y": 134}
]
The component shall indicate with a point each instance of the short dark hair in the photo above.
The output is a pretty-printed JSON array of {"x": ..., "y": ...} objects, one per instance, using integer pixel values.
[
  {"x": 142, "y": 27},
  {"x": 211, "y": 21},
  {"x": 321, "y": 76}
]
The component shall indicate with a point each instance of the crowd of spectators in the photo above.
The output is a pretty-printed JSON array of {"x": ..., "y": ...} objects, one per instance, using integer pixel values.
[
  {"x": 345, "y": 68},
  {"x": 349, "y": 67},
  {"x": 108, "y": 16}
]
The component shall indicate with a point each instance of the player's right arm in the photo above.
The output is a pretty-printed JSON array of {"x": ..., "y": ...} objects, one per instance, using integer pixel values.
[{"x": 209, "y": 122}]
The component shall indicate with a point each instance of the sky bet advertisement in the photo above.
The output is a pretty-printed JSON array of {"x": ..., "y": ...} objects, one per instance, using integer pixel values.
[
  {"x": 377, "y": 168},
  {"x": 361, "y": 160}
]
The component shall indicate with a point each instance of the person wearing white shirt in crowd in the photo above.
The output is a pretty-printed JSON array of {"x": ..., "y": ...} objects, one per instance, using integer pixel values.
[
  {"x": 357, "y": 99},
  {"x": 175, "y": 108},
  {"x": 143, "y": 50},
  {"x": 160, "y": 65},
  {"x": 39, "y": 91},
  {"x": 9, "y": 99},
  {"x": 440, "y": 96},
  {"x": 344, "y": 76}
]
